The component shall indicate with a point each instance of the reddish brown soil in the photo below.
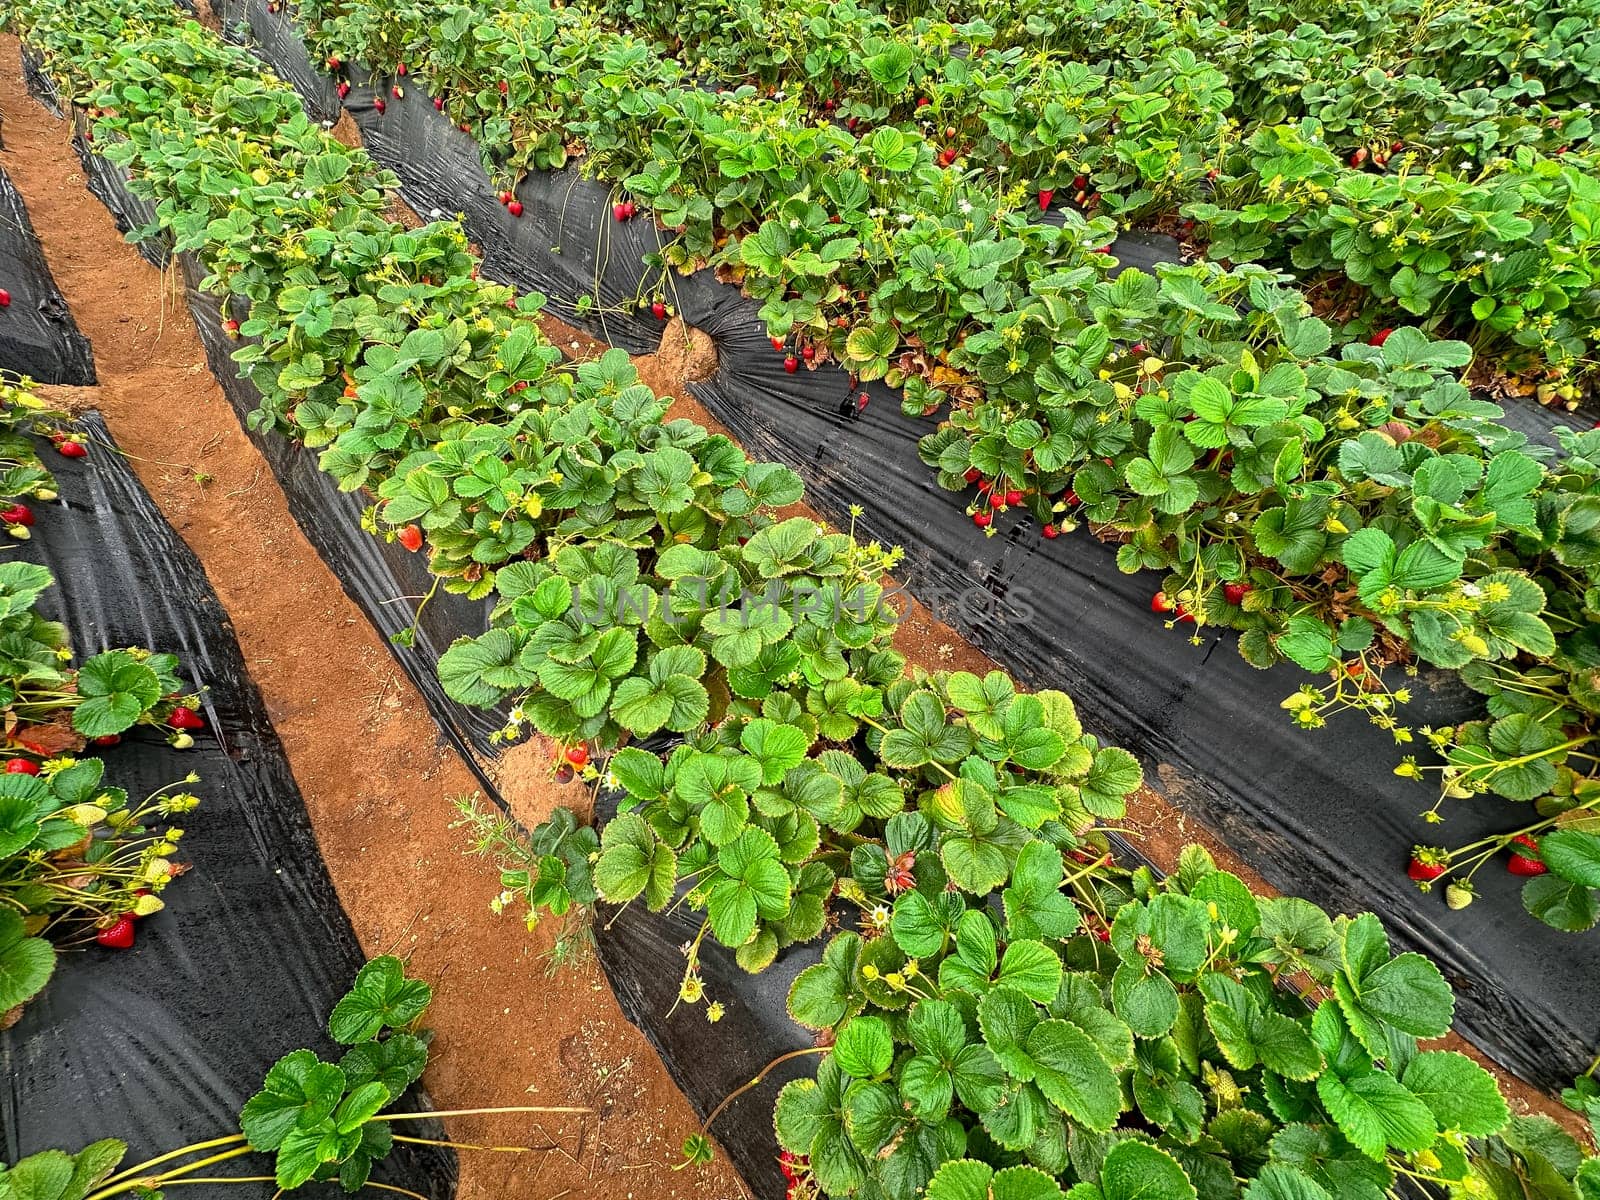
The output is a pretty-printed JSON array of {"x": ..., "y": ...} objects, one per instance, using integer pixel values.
[
  {"x": 367, "y": 756},
  {"x": 647, "y": 1117}
]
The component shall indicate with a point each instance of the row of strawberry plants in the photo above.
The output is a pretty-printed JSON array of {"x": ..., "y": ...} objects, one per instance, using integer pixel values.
[
  {"x": 1091, "y": 1030},
  {"x": 79, "y": 863},
  {"x": 1501, "y": 248},
  {"x": 1344, "y": 508},
  {"x": 1468, "y": 79}
]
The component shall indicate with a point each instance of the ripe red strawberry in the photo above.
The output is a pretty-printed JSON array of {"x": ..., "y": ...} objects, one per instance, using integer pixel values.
[
  {"x": 1045, "y": 196},
  {"x": 438, "y": 103},
  {"x": 1050, "y": 533},
  {"x": 1359, "y": 157},
  {"x": 923, "y": 102},
  {"x": 1081, "y": 182},
  {"x": 972, "y": 475},
  {"x": 829, "y": 105},
  {"x": 1013, "y": 497},
  {"x": 380, "y": 105},
  {"x": 411, "y": 538},
  {"x": 982, "y": 520},
  {"x": 1396, "y": 147},
  {"x": 185, "y": 718},
  {"x": 118, "y": 935},
  {"x": 344, "y": 89},
  {"x": 861, "y": 403},
  {"x": 850, "y": 124},
  {"x": 21, "y": 766},
  {"x": 333, "y": 62},
  {"x": 1427, "y": 863},
  {"x": 791, "y": 364},
  {"x": 17, "y": 514},
  {"x": 1234, "y": 593},
  {"x": 628, "y": 208},
  {"x": 107, "y": 739},
  {"x": 619, "y": 211},
  {"x": 1380, "y": 337},
  {"x": 71, "y": 449},
  {"x": 658, "y": 310},
  {"x": 1185, "y": 617},
  {"x": 504, "y": 87},
  {"x": 1160, "y": 604},
  {"x": 231, "y": 327},
  {"x": 400, "y": 70},
  {"x": 5, "y": 298},
  {"x": 1072, "y": 498},
  {"x": 578, "y": 755},
  {"x": 506, "y": 198},
  {"x": 1522, "y": 864},
  {"x": 396, "y": 92},
  {"x": 515, "y": 208},
  {"x": 946, "y": 157}
]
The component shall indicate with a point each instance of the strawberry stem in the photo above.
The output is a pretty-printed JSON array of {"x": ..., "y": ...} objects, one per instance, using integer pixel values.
[
  {"x": 477, "y": 1112},
  {"x": 193, "y": 1148},
  {"x": 705, "y": 1126},
  {"x": 151, "y": 1183}
]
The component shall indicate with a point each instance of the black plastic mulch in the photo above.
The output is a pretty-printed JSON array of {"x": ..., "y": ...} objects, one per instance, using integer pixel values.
[
  {"x": 38, "y": 337},
  {"x": 162, "y": 1044}
]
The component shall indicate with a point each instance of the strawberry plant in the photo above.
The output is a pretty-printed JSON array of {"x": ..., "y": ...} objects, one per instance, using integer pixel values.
[
  {"x": 77, "y": 860},
  {"x": 23, "y": 477}
]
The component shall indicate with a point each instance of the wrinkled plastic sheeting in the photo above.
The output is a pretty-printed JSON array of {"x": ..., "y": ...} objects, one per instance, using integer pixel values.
[
  {"x": 161, "y": 1045},
  {"x": 38, "y": 337}
]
